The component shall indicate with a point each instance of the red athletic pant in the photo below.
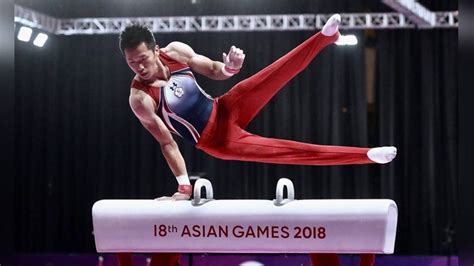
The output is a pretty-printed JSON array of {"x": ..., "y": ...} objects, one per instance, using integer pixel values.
[
  {"x": 225, "y": 137},
  {"x": 157, "y": 259},
  {"x": 327, "y": 259}
]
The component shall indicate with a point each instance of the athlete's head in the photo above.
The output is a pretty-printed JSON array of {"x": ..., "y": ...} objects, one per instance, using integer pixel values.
[{"x": 140, "y": 50}]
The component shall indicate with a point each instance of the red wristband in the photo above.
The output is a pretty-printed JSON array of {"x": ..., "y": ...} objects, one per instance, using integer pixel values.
[
  {"x": 228, "y": 71},
  {"x": 185, "y": 189}
]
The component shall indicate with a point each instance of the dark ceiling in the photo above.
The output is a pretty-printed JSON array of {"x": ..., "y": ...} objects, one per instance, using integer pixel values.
[{"x": 141, "y": 8}]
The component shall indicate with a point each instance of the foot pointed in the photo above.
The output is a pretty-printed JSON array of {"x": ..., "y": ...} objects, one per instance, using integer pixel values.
[
  {"x": 332, "y": 25},
  {"x": 382, "y": 155}
]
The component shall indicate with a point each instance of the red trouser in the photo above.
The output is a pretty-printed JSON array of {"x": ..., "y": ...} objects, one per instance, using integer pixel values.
[
  {"x": 157, "y": 259},
  {"x": 172, "y": 259},
  {"x": 224, "y": 136},
  {"x": 326, "y": 259}
]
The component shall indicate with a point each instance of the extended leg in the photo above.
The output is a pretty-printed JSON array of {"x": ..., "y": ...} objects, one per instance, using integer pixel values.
[
  {"x": 243, "y": 146},
  {"x": 249, "y": 96}
]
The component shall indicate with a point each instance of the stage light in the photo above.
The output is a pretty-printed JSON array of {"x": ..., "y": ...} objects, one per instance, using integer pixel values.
[
  {"x": 347, "y": 40},
  {"x": 40, "y": 39},
  {"x": 24, "y": 34}
]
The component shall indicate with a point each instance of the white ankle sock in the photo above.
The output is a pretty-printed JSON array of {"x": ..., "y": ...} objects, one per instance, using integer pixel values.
[
  {"x": 332, "y": 25},
  {"x": 382, "y": 154}
]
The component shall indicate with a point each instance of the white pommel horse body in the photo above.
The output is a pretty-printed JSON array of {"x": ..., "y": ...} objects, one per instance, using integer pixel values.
[{"x": 284, "y": 225}]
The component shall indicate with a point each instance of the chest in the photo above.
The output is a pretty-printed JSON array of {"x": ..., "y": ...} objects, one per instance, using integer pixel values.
[
  {"x": 159, "y": 83},
  {"x": 180, "y": 90}
]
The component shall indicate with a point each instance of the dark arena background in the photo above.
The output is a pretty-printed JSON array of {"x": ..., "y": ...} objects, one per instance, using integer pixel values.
[{"x": 76, "y": 140}]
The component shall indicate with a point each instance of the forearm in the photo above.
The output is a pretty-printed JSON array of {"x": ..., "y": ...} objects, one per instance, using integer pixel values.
[
  {"x": 215, "y": 70},
  {"x": 176, "y": 163},
  {"x": 217, "y": 73},
  {"x": 174, "y": 158},
  {"x": 169, "y": 148}
]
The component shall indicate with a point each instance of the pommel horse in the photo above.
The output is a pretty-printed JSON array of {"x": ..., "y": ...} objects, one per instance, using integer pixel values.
[{"x": 283, "y": 225}]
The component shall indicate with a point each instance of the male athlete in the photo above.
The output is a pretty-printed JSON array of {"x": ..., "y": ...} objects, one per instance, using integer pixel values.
[{"x": 166, "y": 99}]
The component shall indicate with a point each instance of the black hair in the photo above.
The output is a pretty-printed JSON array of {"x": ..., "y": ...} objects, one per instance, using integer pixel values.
[{"x": 135, "y": 34}]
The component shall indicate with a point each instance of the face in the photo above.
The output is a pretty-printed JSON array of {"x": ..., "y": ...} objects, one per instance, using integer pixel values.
[{"x": 142, "y": 61}]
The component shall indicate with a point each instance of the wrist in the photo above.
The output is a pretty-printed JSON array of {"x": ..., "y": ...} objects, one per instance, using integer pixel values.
[
  {"x": 183, "y": 179},
  {"x": 185, "y": 189},
  {"x": 229, "y": 71}
]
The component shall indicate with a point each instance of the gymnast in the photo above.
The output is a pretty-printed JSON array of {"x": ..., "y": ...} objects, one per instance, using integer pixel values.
[{"x": 166, "y": 99}]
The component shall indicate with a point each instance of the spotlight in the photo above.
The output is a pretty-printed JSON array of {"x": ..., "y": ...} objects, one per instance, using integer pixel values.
[
  {"x": 347, "y": 40},
  {"x": 24, "y": 34},
  {"x": 40, "y": 39}
]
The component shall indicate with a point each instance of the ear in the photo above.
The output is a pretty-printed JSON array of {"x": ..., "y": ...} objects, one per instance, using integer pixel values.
[{"x": 157, "y": 49}]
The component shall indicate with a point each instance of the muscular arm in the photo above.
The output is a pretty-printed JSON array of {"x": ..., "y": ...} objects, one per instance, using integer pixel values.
[
  {"x": 198, "y": 63},
  {"x": 144, "y": 108}
]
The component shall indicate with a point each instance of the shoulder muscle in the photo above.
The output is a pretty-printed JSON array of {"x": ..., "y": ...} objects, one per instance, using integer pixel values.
[
  {"x": 179, "y": 51},
  {"x": 142, "y": 104}
]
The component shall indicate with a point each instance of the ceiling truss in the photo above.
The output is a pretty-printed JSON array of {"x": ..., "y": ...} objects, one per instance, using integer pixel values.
[{"x": 285, "y": 22}]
